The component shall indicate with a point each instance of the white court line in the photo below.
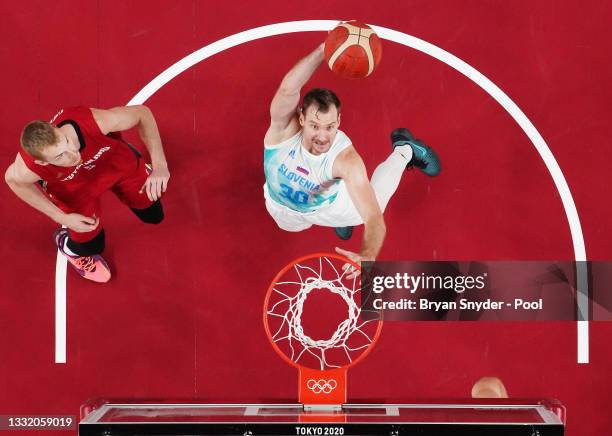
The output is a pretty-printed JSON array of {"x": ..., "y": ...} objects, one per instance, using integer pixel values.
[
  {"x": 418, "y": 44},
  {"x": 60, "y": 308}
]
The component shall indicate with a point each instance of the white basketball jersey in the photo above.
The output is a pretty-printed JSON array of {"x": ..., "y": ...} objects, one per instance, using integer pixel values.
[{"x": 298, "y": 179}]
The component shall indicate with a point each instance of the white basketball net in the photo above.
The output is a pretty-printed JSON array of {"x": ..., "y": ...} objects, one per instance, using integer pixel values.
[{"x": 352, "y": 336}]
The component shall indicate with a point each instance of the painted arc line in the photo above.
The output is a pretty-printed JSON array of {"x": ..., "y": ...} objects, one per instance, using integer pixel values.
[{"x": 454, "y": 62}]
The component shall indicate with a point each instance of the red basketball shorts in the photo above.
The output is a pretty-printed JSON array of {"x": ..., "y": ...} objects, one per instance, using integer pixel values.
[{"x": 127, "y": 190}]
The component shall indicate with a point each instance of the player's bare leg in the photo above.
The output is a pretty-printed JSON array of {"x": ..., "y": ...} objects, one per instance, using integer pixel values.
[{"x": 408, "y": 152}]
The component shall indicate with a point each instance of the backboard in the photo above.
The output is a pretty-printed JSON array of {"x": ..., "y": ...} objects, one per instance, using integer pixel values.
[{"x": 474, "y": 418}]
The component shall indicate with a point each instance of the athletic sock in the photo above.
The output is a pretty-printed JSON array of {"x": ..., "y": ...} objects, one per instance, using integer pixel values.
[
  {"x": 67, "y": 250},
  {"x": 388, "y": 174},
  {"x": 405, "y": 151}
]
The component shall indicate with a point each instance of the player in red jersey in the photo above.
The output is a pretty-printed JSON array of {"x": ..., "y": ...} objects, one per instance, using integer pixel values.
[{"x": 65, "y": 165}]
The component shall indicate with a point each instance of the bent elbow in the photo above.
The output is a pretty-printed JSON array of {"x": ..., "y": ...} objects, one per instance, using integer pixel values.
[
  {"x": 143, "y": 112},
  {"x": 9, "y": 177}
]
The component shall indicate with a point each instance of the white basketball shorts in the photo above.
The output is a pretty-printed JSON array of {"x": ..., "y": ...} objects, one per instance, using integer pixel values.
[{"x": 340, "y": 213}]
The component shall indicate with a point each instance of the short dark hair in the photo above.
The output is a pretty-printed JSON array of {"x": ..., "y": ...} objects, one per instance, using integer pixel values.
[{"x": 323, "y": 98}]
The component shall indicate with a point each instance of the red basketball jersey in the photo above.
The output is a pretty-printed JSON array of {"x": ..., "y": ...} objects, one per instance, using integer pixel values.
[{"x": 105, "y": 160}]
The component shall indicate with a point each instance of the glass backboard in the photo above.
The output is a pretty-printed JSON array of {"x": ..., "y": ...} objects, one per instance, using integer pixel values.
[{"x": 481, "y": 417}]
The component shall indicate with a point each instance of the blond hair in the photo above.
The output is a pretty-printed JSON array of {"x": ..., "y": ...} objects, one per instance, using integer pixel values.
[{"x": 37, "y": 135}]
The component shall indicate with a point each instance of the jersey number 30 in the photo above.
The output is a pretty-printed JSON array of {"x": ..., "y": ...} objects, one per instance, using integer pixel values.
[{"x": 297, "y": 197}]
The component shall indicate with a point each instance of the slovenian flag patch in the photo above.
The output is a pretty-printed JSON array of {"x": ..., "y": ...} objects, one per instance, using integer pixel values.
[{"x": 303, "y": 170}]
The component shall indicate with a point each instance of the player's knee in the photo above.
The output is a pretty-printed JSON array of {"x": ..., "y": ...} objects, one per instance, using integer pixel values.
[
  {"x": 153, "y": 214},
  {"x": 154, "y": 218}
]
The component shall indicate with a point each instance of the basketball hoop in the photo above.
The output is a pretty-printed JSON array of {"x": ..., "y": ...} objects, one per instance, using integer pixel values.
[{"x": 329, "y": 338}]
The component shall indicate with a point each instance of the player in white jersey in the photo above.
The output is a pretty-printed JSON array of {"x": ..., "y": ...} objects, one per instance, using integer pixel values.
[{"x": 314, "y": 175}]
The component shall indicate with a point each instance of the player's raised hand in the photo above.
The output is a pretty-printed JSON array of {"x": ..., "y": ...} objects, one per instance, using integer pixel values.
[
  {"x": 80, "y": 223},
  {"x": 156, "y": 183},
  {"x": 355, "y": 257}
]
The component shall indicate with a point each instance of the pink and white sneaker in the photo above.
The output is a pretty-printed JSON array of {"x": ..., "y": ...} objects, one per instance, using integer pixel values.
[{"x": 93, "y": 267}]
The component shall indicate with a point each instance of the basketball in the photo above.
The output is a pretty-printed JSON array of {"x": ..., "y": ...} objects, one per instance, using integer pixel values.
[{"x": 353, "y": 50}]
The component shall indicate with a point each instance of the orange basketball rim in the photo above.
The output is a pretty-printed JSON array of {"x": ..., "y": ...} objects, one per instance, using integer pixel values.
[{"x": 314, "y": 319}]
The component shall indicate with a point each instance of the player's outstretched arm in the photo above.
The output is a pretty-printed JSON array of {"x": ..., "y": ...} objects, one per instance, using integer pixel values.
[
  {"x": 22, "y": 182},
  {"x": 350, "y": 167},
  {"x": 122, "y": 118},
  {"x": 283, "y": 113}
]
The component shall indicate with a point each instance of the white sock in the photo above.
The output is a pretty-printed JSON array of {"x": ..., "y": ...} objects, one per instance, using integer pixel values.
[
  {"x": 67, "y": 250},
  {"x": 388, "y": 174},
  {"x": 405, "y": 151}
]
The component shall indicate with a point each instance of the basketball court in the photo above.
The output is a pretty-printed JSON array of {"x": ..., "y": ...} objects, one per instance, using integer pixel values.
[{"x": 180, "y": 324}]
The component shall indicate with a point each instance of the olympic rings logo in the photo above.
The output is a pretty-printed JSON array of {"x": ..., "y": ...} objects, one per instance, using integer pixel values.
[{"x": 322, "y": 385}]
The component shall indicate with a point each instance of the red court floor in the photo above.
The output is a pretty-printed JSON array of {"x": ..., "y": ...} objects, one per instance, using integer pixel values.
[{"x": 182, "y": 316}]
